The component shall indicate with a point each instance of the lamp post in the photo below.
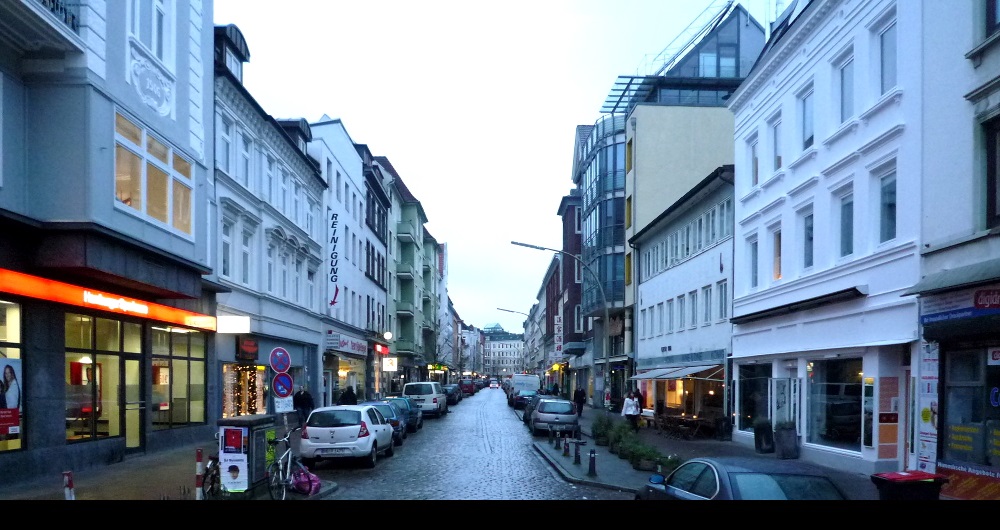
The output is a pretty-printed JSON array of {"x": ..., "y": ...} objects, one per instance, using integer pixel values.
[{"x": 604, "y": 300}]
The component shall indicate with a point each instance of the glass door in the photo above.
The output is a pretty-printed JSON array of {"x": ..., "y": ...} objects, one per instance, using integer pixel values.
[{"x": 135, "y": 407}]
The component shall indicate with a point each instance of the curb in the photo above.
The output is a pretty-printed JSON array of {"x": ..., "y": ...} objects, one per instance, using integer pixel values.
[{"x": 571, "y": 478}]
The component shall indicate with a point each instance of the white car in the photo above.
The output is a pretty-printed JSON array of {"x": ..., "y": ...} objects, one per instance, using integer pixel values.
[
  {"x": 345, "y": 431},
  {"x": 494, "y": 384},
  {"x": 429, "y": 395}
]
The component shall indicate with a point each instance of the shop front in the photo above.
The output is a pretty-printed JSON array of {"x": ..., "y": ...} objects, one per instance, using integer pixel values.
[
  {"x": 959, "y": 424},
  {"x": 345, "y": 363},
  {"x": 250, "y": 380},
  {"x": 134, "y": 374}
]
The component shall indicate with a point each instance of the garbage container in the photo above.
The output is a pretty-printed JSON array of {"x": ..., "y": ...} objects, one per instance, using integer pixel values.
[{"x": 908, "y": 486}]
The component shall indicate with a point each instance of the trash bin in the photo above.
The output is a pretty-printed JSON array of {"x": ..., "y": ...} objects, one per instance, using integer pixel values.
[
  {"x": 908, "y": 486},
  {"x": 723, "y": 429}
]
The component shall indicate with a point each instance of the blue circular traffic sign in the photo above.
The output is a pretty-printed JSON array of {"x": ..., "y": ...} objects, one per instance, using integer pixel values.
[
  {"x": 280, "y": 360},
  {"x": 282, "y": 385}
]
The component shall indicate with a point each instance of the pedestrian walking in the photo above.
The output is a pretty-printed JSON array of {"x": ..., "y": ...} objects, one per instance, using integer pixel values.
[
  {"x": 639, "y": 399},
  {"x": 303, "y": 403},
  {"x": 630, "y": 409},
  {"x": 580, "y": 397},
  {"x": 348, "y": 397}
]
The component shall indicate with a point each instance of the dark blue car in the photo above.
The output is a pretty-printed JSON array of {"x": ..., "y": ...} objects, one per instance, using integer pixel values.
[{"x": 394, "y": 416}]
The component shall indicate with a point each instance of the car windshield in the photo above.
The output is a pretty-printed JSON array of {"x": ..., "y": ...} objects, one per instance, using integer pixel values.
[
  {"x": 402, "y": 403},
  {"x": 555, "y": 407},
  {"x": 526, "y": 393},
  {"x": 771, "y": 487},
  {"x": 418, "y": 389},
  {"x": 334, "y": 418},
  {"x": 386, "y": 410}
]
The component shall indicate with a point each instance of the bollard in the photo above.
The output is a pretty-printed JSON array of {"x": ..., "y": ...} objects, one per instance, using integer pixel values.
[
  {"x": 592, "y": 471},
  {"x": 199, "y": 475},
  {"x": 558, "y": 442},
  {"x": 551, "y": 436},
  {"x": 576, "y": 454},
  {"x": 565, "y": 445},
  {"x": 68, "y": 485}
]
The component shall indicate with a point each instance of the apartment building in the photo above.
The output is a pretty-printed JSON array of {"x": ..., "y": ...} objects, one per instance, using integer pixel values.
[{"x": 107, "y": 239}]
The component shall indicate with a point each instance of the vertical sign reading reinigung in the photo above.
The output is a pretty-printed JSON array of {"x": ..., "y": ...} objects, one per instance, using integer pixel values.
[{"x": 334, "y": 257}]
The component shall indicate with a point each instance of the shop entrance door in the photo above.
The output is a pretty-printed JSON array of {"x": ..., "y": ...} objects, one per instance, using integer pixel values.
[{"x": 135, "y": 408}]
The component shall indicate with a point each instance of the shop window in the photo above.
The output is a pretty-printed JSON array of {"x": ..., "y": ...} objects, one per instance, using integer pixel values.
[
  {"x": 970, "y": 427},
  {"x": 835, "y": 408},
  {"x": 243, "y": 389},
  {"x": 753, "y": 392},
  {"x": 178, "y": 376},
  {"x": 11, "y": 391}
]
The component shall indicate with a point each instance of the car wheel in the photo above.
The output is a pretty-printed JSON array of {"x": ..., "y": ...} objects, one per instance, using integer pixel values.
[
  {"x": 398, "y": 440},
  {"x": 406, "y": 432},
  {"x": 389, "y": 451},
  {"x": 372, "y": 457},
  {"x": 421, "y": 424}
]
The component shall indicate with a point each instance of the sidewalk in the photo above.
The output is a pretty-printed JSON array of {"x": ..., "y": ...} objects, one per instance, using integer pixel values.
[{"x": 616, "y": 473}]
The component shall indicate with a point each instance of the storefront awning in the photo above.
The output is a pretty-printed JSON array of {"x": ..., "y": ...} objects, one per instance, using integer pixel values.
[
  {"x": 654, "y": 374},
  {"x": 690, "y": 370}
]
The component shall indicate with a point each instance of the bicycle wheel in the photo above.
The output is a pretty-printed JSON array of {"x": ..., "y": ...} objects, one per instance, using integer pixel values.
[
  {"x": 276, "y": 482},
  {"x": 211, "y": 485}
]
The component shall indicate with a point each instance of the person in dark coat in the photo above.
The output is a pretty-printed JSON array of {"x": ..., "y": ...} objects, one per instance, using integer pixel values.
[
  {"x": 348, "y": 397},
  {"x": 580, "y": 397},
  {"x": 303, "y": 403},
  {"x": 640, "y": 398}
]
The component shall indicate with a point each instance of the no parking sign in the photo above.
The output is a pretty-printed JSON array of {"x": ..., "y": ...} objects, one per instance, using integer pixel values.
[{"x": 282, "y": 385}]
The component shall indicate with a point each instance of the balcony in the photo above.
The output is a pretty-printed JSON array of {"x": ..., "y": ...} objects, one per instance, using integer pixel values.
[
  {"x": 46, "y": 26},
  {"x": 405, "y": 346},
  {"x": 405, "y": 270},
  {"x": 404, "y": 308},
  {"x": 406, "y": 232}
]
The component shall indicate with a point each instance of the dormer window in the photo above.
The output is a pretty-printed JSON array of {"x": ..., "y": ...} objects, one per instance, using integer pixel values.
[{"x": 234, "y": 64}]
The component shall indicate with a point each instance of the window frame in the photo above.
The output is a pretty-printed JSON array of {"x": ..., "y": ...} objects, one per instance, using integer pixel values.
[{"x": 991, "y": 140}]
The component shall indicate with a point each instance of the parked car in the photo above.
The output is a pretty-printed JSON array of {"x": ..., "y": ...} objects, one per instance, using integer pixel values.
[
  {"x": 521, "y": 398},
  {"x": 468, "y": 386},
  {"x": 494, "y": 383},
  {"x": 429, "y": 395},
  {"x": 345, "y": 431},
  {"x": 412, "y": 411},
  {"x": 453, "y": 393},
  {"x": 741, "y": 478},
  {"x": 530, "y": 406},
  {"x": 554, "y": 414},
  {"x": 394, "y": 416}
]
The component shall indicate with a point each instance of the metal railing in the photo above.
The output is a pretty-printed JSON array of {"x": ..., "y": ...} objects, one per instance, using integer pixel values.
[{"x": 66, "y": 12}]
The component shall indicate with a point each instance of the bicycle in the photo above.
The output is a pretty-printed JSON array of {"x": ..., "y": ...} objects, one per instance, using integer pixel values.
[
  {"x": 281, "y": 472},
  {"x": 211, "y": 484}
]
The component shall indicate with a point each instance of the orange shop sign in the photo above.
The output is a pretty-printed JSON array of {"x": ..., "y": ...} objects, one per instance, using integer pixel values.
[{"x": 42, "y": 288}]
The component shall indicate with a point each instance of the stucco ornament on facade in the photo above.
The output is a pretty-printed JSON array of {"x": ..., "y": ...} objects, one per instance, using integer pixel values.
[{"x": 152, "y": 84}]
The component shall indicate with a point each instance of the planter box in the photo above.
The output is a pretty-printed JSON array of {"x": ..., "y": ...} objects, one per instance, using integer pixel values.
[
  {"x": 763, "y": 440},
  {"x": 786, "y": 443}
]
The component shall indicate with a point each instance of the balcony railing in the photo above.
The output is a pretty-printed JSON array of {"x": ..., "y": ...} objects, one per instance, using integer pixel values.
[
  {"x": 66, "y": 12},
  {"x": 404, "y": 307},
  {"x": 406, "y": 231},
  {"x": 405, "y": 345},
  {"x": 405, "y": 270}
]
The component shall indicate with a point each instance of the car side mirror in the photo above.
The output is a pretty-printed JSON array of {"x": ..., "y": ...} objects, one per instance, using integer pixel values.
[{"x": 656, "y": 478}]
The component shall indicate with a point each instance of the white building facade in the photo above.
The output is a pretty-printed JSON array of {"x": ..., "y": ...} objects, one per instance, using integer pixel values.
[{"x": 827, "y": 238}]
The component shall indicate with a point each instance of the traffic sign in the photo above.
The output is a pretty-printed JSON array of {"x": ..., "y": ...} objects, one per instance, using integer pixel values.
[
  {"x": 280, "y": 360},
  {"x": 282, "y": 385}
]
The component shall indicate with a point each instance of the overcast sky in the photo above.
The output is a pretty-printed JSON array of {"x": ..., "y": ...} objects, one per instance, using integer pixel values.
[{"x": 475, "y": 103}]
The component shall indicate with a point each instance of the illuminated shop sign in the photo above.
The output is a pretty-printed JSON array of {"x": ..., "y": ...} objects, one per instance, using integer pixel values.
[{"x": 44, "y": 289}]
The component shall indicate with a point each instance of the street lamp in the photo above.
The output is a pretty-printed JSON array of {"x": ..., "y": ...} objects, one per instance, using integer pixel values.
[
  {"x": 512, "y": 311},
  {"x": 604, "y": 299}
]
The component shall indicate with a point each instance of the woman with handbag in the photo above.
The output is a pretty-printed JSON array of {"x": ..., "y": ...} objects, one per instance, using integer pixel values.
[{"x": 630, "y": 409}]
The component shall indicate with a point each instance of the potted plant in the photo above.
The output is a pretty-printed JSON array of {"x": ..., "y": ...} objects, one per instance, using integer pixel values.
[
  {"x": 619, "y": 430},
  {"x": 786, "y": 440},
  {"x": 601, "y": 429},
  {"x": 763, "y": 436},
  {"x": 644, "y": 457},
  {"x": 666, "y": 464},
  {"x": 628, "y": 443}
]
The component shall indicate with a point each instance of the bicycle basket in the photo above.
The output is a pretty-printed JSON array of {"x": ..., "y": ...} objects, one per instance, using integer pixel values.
[{"x": 305, "y": 482}]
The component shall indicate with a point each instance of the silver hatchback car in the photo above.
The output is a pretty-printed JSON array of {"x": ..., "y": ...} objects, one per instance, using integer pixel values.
[{"x": 557, "y": 415}]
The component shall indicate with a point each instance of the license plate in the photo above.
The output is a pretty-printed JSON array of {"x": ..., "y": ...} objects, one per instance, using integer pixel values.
[
  {"x": 562, "y": 427},
  {"x": 333, "y": 451}
]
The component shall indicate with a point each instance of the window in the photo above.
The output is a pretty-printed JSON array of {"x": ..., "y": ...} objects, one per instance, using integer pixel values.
[
  {"x": 992, "y": 16},
  {"x": 887, "y": 208},
  {"x": 670, "y": 316},
  {"x": 178, "y": 377},
  {"x": 681, "y": 308},
  {"x": 269, "y": 166},
  {"x": 227, "y": 248},
  {"x": 754, "y": 164},
  {"x": 222, "y": 151},
  {"x": 234, "y": 64},
  {"x": 723, "y": 289},
  {"x": 806, "y": 108},
  {"x": 807, "y": 240},
  {"x": 846, "y": 85},
  {"x": 752, "y": 254},
  {"x": 706, "y": 297},
  {"x": 887, "y": 58},
  {"x": 577, "y": 319},
  {"x": 151, "y": 178},
  {"x": 247, "y": 252},
  {"x": 991, "y": 132},
  {"x": 295, "y": 203},
  {"x": 776, "y": 144},
  {"x": 628, "y": 211},
  {"x": 847, "y": 225},
  {"x": 645, "y": 325},
  {"x": 284, "y": 276},
  {"x": 776, "y": 254},
  {"x": 246, "y": 148},
  {"x": 659, "y": 318},
  {"x": 270, "y": 269},
  {"x": 283, "y": 198},
  {"x": 297, "y": 283},
  {"x": 151, "y": 23},
  {"x": 11, "y": 348},
  {"x": 693, "y": 295},
  {"x": 628, "y": 269}
]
